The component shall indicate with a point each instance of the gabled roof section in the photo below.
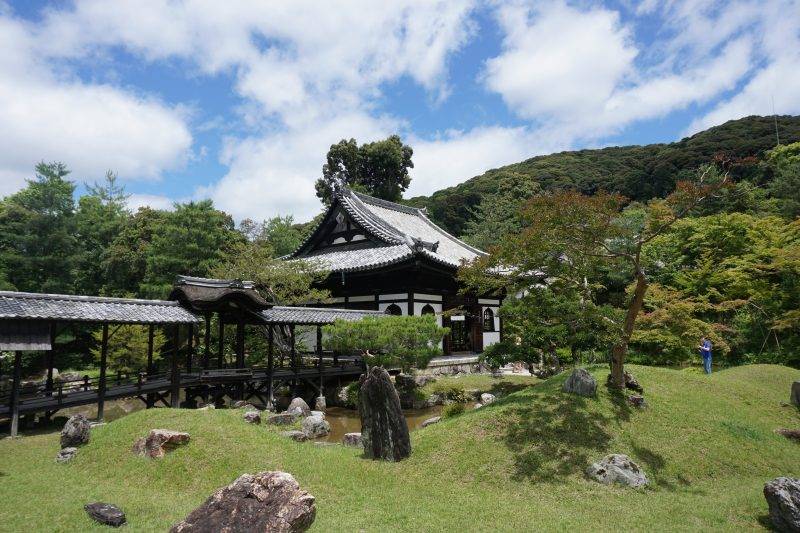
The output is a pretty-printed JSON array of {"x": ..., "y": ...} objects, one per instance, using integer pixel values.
[
  {"x": 406, "y": 232},
  {"x": 314, "y": 315},
  {"x": 207, "y": 294}
]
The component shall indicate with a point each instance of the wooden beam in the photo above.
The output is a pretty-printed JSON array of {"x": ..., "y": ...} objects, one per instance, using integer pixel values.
[
  {"x": 319, "y": 357},
  {"x": 150, "y": 339},
  {"x": 240, "y": 355},
  {"x": 293, "y": 355},
  {"x": 221, "y": 340},
  {"x": 48, "y": 386},
  {"x": 175, "y": 376},
  {"x": 270, "y": 363},
  {"x": 101, "y": 387},
  {"x": 207, "y": 350},
  {"x": 15, "y": 384},
  {"x": 190, "y": 348}
]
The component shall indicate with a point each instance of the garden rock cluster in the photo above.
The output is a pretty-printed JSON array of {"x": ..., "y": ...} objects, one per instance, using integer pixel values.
[
  {"x": 580, "y": 382},
  {"x": 158, "y": 442},
  {"x": 267, "y": 501},
  {"x": 282, "y": 419},
  {"x": 75, "y": 431},
  {"x": 384, "y": 431},
  {"x": 618, "y": 468},
  {"x": 105, "y": 513},
  {"x": 783, "y": 498}
]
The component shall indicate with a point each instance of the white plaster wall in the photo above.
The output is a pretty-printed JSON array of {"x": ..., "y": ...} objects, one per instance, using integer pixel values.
[
  {"x": 436, "y": 307},
  {"x": 402, "y": 305},
  {"x": 491, "y": 337}
]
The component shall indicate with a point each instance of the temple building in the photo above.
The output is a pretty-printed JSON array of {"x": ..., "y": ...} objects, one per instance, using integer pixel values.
[{"x": 390, "y": 257}]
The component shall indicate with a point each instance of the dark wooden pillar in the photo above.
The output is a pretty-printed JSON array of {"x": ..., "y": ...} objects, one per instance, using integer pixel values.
[
  {"x": 270, "y": 364},
  {"x": 240, "y": 356},
  {"x": 207, "y": 348},
  {"x": 175, "y": 375},
  {"x": 49, "y": 355},
  {"x": 221, "y": 341},
  {"x": 293, "y": 357},
  {"x": 319, "y": 358},
  {"x": 150, "y": 339},
  {"x": 15, "y": 384},
  {"x": 190, "y": 348},
  {"x": 101, "y": 387}
]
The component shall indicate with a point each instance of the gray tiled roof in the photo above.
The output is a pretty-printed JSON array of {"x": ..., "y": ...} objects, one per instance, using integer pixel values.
[
  {"x": 407, "y": 231},
  {"x": 313, "y": 315},
  {"x": 31, "y": 306}
]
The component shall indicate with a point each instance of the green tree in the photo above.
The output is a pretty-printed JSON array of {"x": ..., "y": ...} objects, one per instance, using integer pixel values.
[
  {"x": 193, "y": 240},
  {"x": 404, "y": 341},
  {"x": 124, "y": 262},
  {"x": 37, "y": 232},
  {"x": 127, "y": 347},
  {"x": 100, "y": 217},
  {"x": 785, "y": 185},
  {"x": 280, "y": 232},
  {"x": 379, "y": 168}
]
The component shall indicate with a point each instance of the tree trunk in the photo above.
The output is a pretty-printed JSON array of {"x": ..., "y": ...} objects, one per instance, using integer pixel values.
[{"x": 620, "y": 350}]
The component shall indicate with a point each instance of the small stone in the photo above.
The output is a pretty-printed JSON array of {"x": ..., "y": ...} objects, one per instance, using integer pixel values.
[
  {"x": 434, "y": 420},
  {"x": 295, "y": 435},
  {"x": 487, "y": 398},
  {"x": 618, "y": 468},
  {"x": 207, "y": 407},
  {"x": 66, "y": 454},
  {"x": 352, "y": 439},
  {"x": 315, "y": 426},
  {"x": 252, "y": 417},
  {"x": 240, "y": 404},
  {"x": 478, "y": 405},
  {"x": 783, "y": 498},
  {"x": 158, "y": 442},
  {"x": 105, "y": 513},
  {"x": 638, "y": 401},
  {"x": 266, "y": 501},
  {"x": 791, "y": 434},
  {"x": 282, "y": 419},
  {"x": 320, "y": 404},
  {"x": 580, "y": 382},
  {"x": 299, "y": 406},
  {"x": 75, "y": 432}
]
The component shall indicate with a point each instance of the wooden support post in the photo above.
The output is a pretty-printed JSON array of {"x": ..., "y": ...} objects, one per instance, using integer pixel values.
[
  {"x": 101, "y": 387},
  {"x": 207, "y": 348},
  {"x": 150, "y": 339},
  {"x": 190, "y": 348},
  {"x": 221, "y": 352},
  {"x": 175, "y": 377},
  {"x": 15, "y": 384},
  {"x": 293, "y": 356},
  {"x": 240, "y": 355},
  {"x": 48, "y": 386},
  {"x": 319, "y": 358},
  {"x": 270, "y": 364}
]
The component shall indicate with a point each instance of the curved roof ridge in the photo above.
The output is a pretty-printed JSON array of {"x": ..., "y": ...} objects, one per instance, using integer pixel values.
[
  {"x": 82, "y": 298},
  {"x": 354, "y": 205},
  {"x": 387, "y": 204},
  {"x": 450, "y": 235}
]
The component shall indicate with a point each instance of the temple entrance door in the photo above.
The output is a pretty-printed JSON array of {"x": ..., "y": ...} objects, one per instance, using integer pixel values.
[{"x": 460, "y": 334}]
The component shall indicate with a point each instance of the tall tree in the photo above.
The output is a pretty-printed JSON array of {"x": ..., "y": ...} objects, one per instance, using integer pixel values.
[
  {"x": 193, "y": 240},
  {"x": 785, "y": 185},
  {"x": 568, "y": 237},
  {"x": 124, "y": 262},
  {"x": 100, "y": 217},
  {"x": 280, "y": 232},
  {"x": 37, "y": 232},
  {"x": 379, "y": 168}
]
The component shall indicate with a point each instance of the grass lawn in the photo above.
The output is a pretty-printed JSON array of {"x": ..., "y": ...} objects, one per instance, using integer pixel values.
[
  {"x": 707, "y": 444},
  {"x": 483, "y": 382}
]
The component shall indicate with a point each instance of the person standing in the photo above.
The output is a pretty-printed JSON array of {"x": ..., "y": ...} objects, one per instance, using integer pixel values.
[{"x": 705, "y": 351}]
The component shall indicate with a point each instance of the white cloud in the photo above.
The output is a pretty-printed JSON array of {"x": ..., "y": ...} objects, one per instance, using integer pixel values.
[
  {"x": 135, "y": 201},
  {"x": 90, "y": 127}
]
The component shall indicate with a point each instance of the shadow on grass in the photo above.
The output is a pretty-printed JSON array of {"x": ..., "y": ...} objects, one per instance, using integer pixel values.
[{"x": 504, "y": 388}]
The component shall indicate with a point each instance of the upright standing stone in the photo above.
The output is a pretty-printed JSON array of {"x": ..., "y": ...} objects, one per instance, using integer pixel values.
[
  {"x": 75, "y": 432},
  {"x": 384, "y": 431},
  {"x": 320, "y": 404},
  {"x": 783, "y": 498},
  {"x": 795, "y": 396},
  {"x": 299, "y": 406},
  {"x": 580, "y": 382}
]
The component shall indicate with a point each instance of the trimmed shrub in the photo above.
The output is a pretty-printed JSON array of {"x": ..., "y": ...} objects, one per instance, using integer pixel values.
[{"x": 453, "y": 409}]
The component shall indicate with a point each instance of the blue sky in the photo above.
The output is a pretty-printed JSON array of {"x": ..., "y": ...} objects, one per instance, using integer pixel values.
[{"x": 238, "y": 101}]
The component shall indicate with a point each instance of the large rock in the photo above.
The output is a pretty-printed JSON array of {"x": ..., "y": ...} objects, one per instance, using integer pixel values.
[
  {"x": 433, "y": 420},
  {"x": 320, "y": 404},
  {"x": 105, "y": 513},
  {"x": 384, "y": 430},
  {"x": 158, "y": 442},
  {"x": 267, "y": 501},
  {"x": 783, "y": 498},
  {"x": 299, "y": 407},
  {"x": 487, "y": 398},
  {"x": 252, "y": 417},
  {"x": 282, "y": 419},
  {"x": 580, "y": 382},
  {"x": 630, "y": 382},
  {"x": 66, "y": 454},
  {"x": 352, "y": 439},
  {"x": 75, "y": 432},
  {"x": 618, "y": 468},
  {"x": 315, "y": 426},
  {"x": 794, "y": 397},
  {"x": 295, "y": 435}
]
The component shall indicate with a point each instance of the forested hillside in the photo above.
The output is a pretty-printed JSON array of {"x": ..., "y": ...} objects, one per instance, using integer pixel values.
[{"x": 638, "y": 172}]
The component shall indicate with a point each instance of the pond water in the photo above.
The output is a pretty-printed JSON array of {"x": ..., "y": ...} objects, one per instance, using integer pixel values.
[{"x": 342, "y": 420}]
